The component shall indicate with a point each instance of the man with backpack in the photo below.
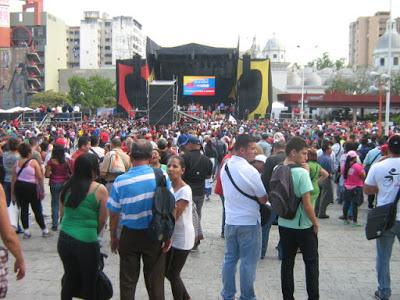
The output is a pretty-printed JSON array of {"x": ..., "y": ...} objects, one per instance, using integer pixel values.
[
  {"x": 115, "y": 163},
  {"x": 131, "y": 204},
  {"x": 243, "y": 222},
  {"x": 298, "y": 225}
]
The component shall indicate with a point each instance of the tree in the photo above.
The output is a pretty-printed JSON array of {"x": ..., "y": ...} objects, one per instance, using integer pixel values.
[
  {"x": 49, "y": 98},
  {"x": 395, "y": 83},
  {"x": 326, "y": 62},
  {"x": 92, "y": 93},
  {"x": 359, "y": 84}
]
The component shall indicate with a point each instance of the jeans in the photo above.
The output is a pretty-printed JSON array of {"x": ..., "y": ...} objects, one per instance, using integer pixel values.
[
  {"x": 241, "y": 242},
  {"x": 307, "y": 241},
  {"x": 55, "y": 190},
  {"x": 7, "y": 191},
  {"x": 81, "y": 264},
  {"x": 265, "y": 233},
  {"x": 384, "y": 246},
  {"x": 223, "y": 215},
  {"x": 325, "y": 197}
]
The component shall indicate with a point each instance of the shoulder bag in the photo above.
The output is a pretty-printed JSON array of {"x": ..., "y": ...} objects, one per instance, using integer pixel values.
[
  {"x": 381, "y": 218},
  {"x": 265, "y": 211}
]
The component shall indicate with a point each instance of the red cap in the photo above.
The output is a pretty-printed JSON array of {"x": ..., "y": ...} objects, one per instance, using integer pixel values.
[{"x": 60, "y": 141}]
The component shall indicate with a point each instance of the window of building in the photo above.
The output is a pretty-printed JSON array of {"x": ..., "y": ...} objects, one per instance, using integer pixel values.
[
  {"x": 108, "y": 63},
  {"x": 275, "y": 56},
  {"x": 108, "y": 40},
  {"x": 107, "y": 47},
  {"x": 395, "y": 61},
  {"x": 107, "y": 55},
  {"x": 382, "y": 62}
]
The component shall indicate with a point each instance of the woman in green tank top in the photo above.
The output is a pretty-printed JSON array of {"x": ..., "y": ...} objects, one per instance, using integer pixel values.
[{"x": 83, "y": 215}]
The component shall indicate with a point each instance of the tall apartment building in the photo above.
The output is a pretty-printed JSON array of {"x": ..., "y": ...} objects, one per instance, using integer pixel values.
[
  {"x": 103, "y": 40},
  {"x": 363, "y": 38},
  {"x": 73, "y": 46}
]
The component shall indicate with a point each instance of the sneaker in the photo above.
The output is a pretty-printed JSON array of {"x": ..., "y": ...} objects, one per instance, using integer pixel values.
[
  {"x": 26, "y": 236},
  {"x": 46, "y": 234},
  {"x": 379, "y": 297},
  {"x": 323, "y": 217},
  {"x": 341, "y": 217},
  {"x": 346, "y": 222},
  {"x": 54, "y": 228},
  {"x": 356, "y": 225}
]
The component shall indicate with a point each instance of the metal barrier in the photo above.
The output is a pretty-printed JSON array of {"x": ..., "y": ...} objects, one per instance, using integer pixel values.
[{"x": 67, "y": 117}]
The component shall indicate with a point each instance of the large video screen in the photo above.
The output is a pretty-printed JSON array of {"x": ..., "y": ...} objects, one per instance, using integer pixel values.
[{"x": 199, "y": 85}]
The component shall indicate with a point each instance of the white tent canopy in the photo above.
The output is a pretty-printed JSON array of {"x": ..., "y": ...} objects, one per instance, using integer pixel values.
[{"x": 15, "y": 110}]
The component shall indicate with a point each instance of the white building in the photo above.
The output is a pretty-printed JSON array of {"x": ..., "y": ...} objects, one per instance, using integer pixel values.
[
  {"x": 127, "y": 38},
  {"x": 90, "y": 41},
  {"x": 381, "y": 52},
  {"x": 104, "y": 40}
]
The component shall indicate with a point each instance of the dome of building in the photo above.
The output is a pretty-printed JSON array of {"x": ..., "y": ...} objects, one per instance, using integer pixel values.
[
  {"x": 273, "y": 44},
  {"x": 383, "y": 41},
  {"x": 312, "y": 79},
  {"x": 293, "y": 79}
]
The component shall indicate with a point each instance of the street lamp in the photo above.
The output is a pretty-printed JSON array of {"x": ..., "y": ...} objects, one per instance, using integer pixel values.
[
  {"x": 387, "y": 112},
  {"x": 381, "y": 85},
  {"x": 302, "y": 87}
]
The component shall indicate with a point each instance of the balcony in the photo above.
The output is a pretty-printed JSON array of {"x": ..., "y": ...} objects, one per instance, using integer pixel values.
[
  {"x": 33, "y": 56},
  {"x": 33, "y": 69}
]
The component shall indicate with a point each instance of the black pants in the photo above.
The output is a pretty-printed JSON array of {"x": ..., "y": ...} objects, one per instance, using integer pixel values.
[
  {"x": 81, "y": 265},
  {"x": 25, "y": 194},
  {"x": 371, "y": 201},
  {"x": 307, "y": 241},
  {"x": 135, "y": 245},
  {"x": 176, "y": 259}
]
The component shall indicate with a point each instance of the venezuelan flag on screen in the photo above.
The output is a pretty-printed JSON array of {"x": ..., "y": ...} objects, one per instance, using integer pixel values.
[{"x": 199, "y": 85}]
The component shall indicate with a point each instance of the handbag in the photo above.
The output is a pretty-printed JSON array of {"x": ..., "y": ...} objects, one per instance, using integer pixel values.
[
  {"x": 40, "y": 191},
  {"x": 265, "y": 211},
  {"x": 381, "y": 218},
  {"x": 13, "y": 214},
  {"x": 104, "y": 288}
]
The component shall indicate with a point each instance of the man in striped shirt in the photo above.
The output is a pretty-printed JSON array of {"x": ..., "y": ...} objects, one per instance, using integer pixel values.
[{"x": 130, "y": 204}]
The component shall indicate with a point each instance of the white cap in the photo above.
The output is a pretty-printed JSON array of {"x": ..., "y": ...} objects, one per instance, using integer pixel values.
[{"x": 261, "y": 157}]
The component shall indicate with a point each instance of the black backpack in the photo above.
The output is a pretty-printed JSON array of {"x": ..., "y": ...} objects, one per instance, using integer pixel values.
[
  {"x": 281, "y": 192},
  {"x": 162, "y": 226}
]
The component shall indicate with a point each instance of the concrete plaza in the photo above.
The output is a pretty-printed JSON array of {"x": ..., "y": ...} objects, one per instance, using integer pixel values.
[{"x": 347, "y": 264}]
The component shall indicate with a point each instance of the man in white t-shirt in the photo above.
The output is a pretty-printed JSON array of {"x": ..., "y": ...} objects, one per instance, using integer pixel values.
[
  {"x": 384, "y": 180},
  {"x": 242, "y": 224}
]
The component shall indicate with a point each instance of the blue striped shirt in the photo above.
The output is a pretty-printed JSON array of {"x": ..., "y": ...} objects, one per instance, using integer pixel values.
[{"x": 132, "y": 197}]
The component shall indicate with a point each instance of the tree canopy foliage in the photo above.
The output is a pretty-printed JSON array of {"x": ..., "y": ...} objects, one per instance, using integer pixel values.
[{"x": 49, "y": 98}]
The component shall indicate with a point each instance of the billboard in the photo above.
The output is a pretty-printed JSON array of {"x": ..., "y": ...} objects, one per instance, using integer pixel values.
[{"x": 199, "y": 85}]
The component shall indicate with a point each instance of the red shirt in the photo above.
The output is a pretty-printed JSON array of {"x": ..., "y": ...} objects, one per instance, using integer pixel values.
[
  {"x": 74, "y": 156},
  {"x": 104, "y": 137},
  {"x": 218, "y": 184}
]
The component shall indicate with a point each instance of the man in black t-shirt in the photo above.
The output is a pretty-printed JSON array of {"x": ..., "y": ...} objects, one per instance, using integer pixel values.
[
  {"x": 198, "y": 169},
  {"x": 277, "y": 158}
]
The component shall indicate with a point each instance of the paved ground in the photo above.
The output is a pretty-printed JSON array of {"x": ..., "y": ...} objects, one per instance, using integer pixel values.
[{"x": 347, "y": 264}]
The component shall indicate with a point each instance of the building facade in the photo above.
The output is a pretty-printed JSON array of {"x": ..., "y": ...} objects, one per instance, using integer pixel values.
[
  {"x": 381, "y": 52},
  {"x": 102, "y": 40},
  {"x": 363, "y": 38}
]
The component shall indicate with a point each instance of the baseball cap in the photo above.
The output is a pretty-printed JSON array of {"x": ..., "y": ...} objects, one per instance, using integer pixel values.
[
  {"x": 352, "y": 154},
  {"x": 60, "y": 141},
  {"x": 193, "y": 140},
  {"x": 394, "y": 144},
  {"x": 261, "y": 157},
  {"x": 183, "y": 140}
]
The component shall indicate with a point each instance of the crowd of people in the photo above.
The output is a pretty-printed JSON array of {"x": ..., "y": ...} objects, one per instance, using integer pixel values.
[{"x": 103, "y": 169}]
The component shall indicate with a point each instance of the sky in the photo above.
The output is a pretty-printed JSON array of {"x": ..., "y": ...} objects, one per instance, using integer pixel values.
[{"x": 316, "y": 26}]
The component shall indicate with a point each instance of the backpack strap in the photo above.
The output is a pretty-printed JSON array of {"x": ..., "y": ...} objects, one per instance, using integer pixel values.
[
  {"x": 159, "y": 175},
  {"x": 23, "y": 167},
  {"x": 235, "y": 185}
]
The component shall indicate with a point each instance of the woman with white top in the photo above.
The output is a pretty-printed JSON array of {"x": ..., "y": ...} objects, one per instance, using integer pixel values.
[{"x": 183, "y": 236}]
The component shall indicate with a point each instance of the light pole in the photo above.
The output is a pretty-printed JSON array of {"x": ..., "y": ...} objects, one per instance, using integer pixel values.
[
  {"x": 381, "y": 85},
  {"x": 302, "y": 95},
  {"x": 387, "y": 112},
  {"x": 302, "y": 87}
]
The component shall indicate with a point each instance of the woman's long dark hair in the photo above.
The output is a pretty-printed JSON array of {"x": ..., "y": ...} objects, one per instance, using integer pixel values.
[
  {"x": 58, "y": 154},
  {"x": 85, "y": 171},
  {"x": 348, "y": 165}
]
